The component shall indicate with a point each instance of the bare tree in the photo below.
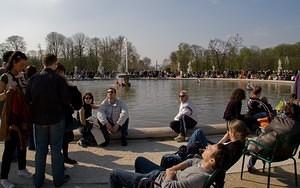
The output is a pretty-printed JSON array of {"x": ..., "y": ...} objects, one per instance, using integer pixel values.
[
  {"x": 55, "y": 42},
  {"x": 3, "y": 48},
  {"x": 197, "y": 56},
  {"x": 79, "y": 40},
  {"x": 40, "y": 52},
  {"x": 68, "y": 49},
  {"x": 220, "y": 50},
  {"x": 16, "y": 42},
  {"x": 95, "y": 45}
]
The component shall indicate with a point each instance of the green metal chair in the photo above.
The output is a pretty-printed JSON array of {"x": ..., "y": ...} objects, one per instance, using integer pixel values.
[
  {"x": 211, "y": 181},
  {"x": 285, "y": 148}
]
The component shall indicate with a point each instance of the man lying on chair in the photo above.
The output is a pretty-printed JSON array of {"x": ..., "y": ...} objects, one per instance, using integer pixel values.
[{"x": 191, "y": 173}]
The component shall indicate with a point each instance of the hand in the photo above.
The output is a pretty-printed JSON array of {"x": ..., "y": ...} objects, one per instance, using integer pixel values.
[
  {"x": 109, "y": 127},
  {"x": 170, "y": 174},
  {"x": 11, "y": 88},
  {"x": 115, "y": 128}
]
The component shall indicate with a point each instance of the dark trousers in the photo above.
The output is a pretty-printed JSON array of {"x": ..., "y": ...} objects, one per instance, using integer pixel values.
[
  {"x": 144, "y": 166},
  {"x": 10, "y": 146},
  {"x": 184, "y": 123},
  {"x": 87, "y": 136},
  {"x": 121, "y": 178},
  {"x": 123, "y": 129},
  {"x": 68, "y": 137}
]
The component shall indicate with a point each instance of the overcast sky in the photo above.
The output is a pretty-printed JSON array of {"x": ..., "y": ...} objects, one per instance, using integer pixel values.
[{"x": 155, "y": 27}]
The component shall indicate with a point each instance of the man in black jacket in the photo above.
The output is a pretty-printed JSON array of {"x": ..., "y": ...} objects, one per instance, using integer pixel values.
[{"x": 47, "y": 94}]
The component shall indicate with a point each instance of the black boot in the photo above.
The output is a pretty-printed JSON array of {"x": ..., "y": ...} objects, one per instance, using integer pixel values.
[{"x": 124, "y": 141}]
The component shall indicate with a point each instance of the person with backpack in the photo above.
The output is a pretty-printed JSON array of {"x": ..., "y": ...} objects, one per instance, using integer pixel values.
[{"x": 15, "y": 119}]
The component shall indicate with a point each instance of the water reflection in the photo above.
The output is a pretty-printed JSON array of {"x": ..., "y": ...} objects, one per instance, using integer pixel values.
[{"x": 154, "y": 103}]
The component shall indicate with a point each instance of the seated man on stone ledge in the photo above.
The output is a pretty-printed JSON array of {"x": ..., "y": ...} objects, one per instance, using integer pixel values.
[
  {"x": 191, "y": 173},
  {"x": 185, "y": 118},
  {"x": 113, "y": 116}
]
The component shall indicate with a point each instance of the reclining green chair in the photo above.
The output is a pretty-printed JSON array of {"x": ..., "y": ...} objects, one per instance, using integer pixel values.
[{"x": 284, "y": 148}]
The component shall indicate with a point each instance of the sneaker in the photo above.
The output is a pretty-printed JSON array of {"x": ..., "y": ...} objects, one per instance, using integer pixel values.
[
  {"x": 6, "y": 184},
  {"x": 179, "y": 138},
  {"x": 24, "y": 173},
  {"x": 82, "y": 144},
  {"x": 252, "y": 170}
]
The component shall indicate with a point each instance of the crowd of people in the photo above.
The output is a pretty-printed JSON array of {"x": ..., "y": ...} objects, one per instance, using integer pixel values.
[
  {"x": 159, "y": 74},
  {"x": 41, "y": 109},
  {"x": 38, "y": 111}
]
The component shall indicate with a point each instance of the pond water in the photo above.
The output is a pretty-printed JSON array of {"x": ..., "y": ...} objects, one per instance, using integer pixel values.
[{"x": 154, "y": 103}]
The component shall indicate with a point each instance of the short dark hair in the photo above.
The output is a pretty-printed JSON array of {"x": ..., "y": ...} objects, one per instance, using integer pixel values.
[
  {"x": 113, "y": 89},
  {"x": 220, "y": 156},
  {"x": 14, "y": 58},
  {"x": 30, "y": 71},
  {"x": 60, "y": 68},
  {"x": 49, "y": 59}
]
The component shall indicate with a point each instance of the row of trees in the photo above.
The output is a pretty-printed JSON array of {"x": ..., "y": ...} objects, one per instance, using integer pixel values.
[
  {"x": 88, "y": 53},
  {"x": 82, "y": 51},
  {"x": 230, "y": 54}
]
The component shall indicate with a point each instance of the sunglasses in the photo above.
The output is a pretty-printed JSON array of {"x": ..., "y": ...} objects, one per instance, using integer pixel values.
[
  {"x": 181, "y": 95},
  {"x": 110, "y": 92}
]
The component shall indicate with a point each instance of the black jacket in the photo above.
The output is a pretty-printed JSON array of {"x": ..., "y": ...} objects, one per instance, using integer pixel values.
[
  {"x": 233, "y": 110},
  {"x": 48, "y": 95}
]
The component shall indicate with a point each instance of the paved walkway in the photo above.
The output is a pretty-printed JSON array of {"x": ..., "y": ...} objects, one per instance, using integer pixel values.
[{"x": 96, "y": 163}]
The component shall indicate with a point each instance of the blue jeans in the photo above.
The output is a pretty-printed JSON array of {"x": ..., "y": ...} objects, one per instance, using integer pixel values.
[
  {"x": 121, "y": 178},
  {"x": 143, "y": 165},
  {"x": 49, "y": 135},
  {"x": 198, "y": 136}
]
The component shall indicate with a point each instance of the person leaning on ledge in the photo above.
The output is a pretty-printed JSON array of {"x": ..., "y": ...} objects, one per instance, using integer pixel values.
[
  {"x": 185, "y": 119},
  {"x": 113, "y": 116}
]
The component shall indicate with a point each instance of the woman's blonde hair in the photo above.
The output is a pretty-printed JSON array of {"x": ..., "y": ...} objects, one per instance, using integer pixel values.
[{"x": 239, "y": 129}]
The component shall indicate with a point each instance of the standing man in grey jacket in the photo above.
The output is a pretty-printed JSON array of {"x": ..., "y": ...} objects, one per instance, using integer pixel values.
[{"x": 113, "y": 116}]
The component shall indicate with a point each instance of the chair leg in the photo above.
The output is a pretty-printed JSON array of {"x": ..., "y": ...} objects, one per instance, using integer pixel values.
[
  {"x": 264, "y": 166},
  {"x": 243, "y": 166},
  {"x": 269, "y": 175},
  {"x": 296, "y": 175}
]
